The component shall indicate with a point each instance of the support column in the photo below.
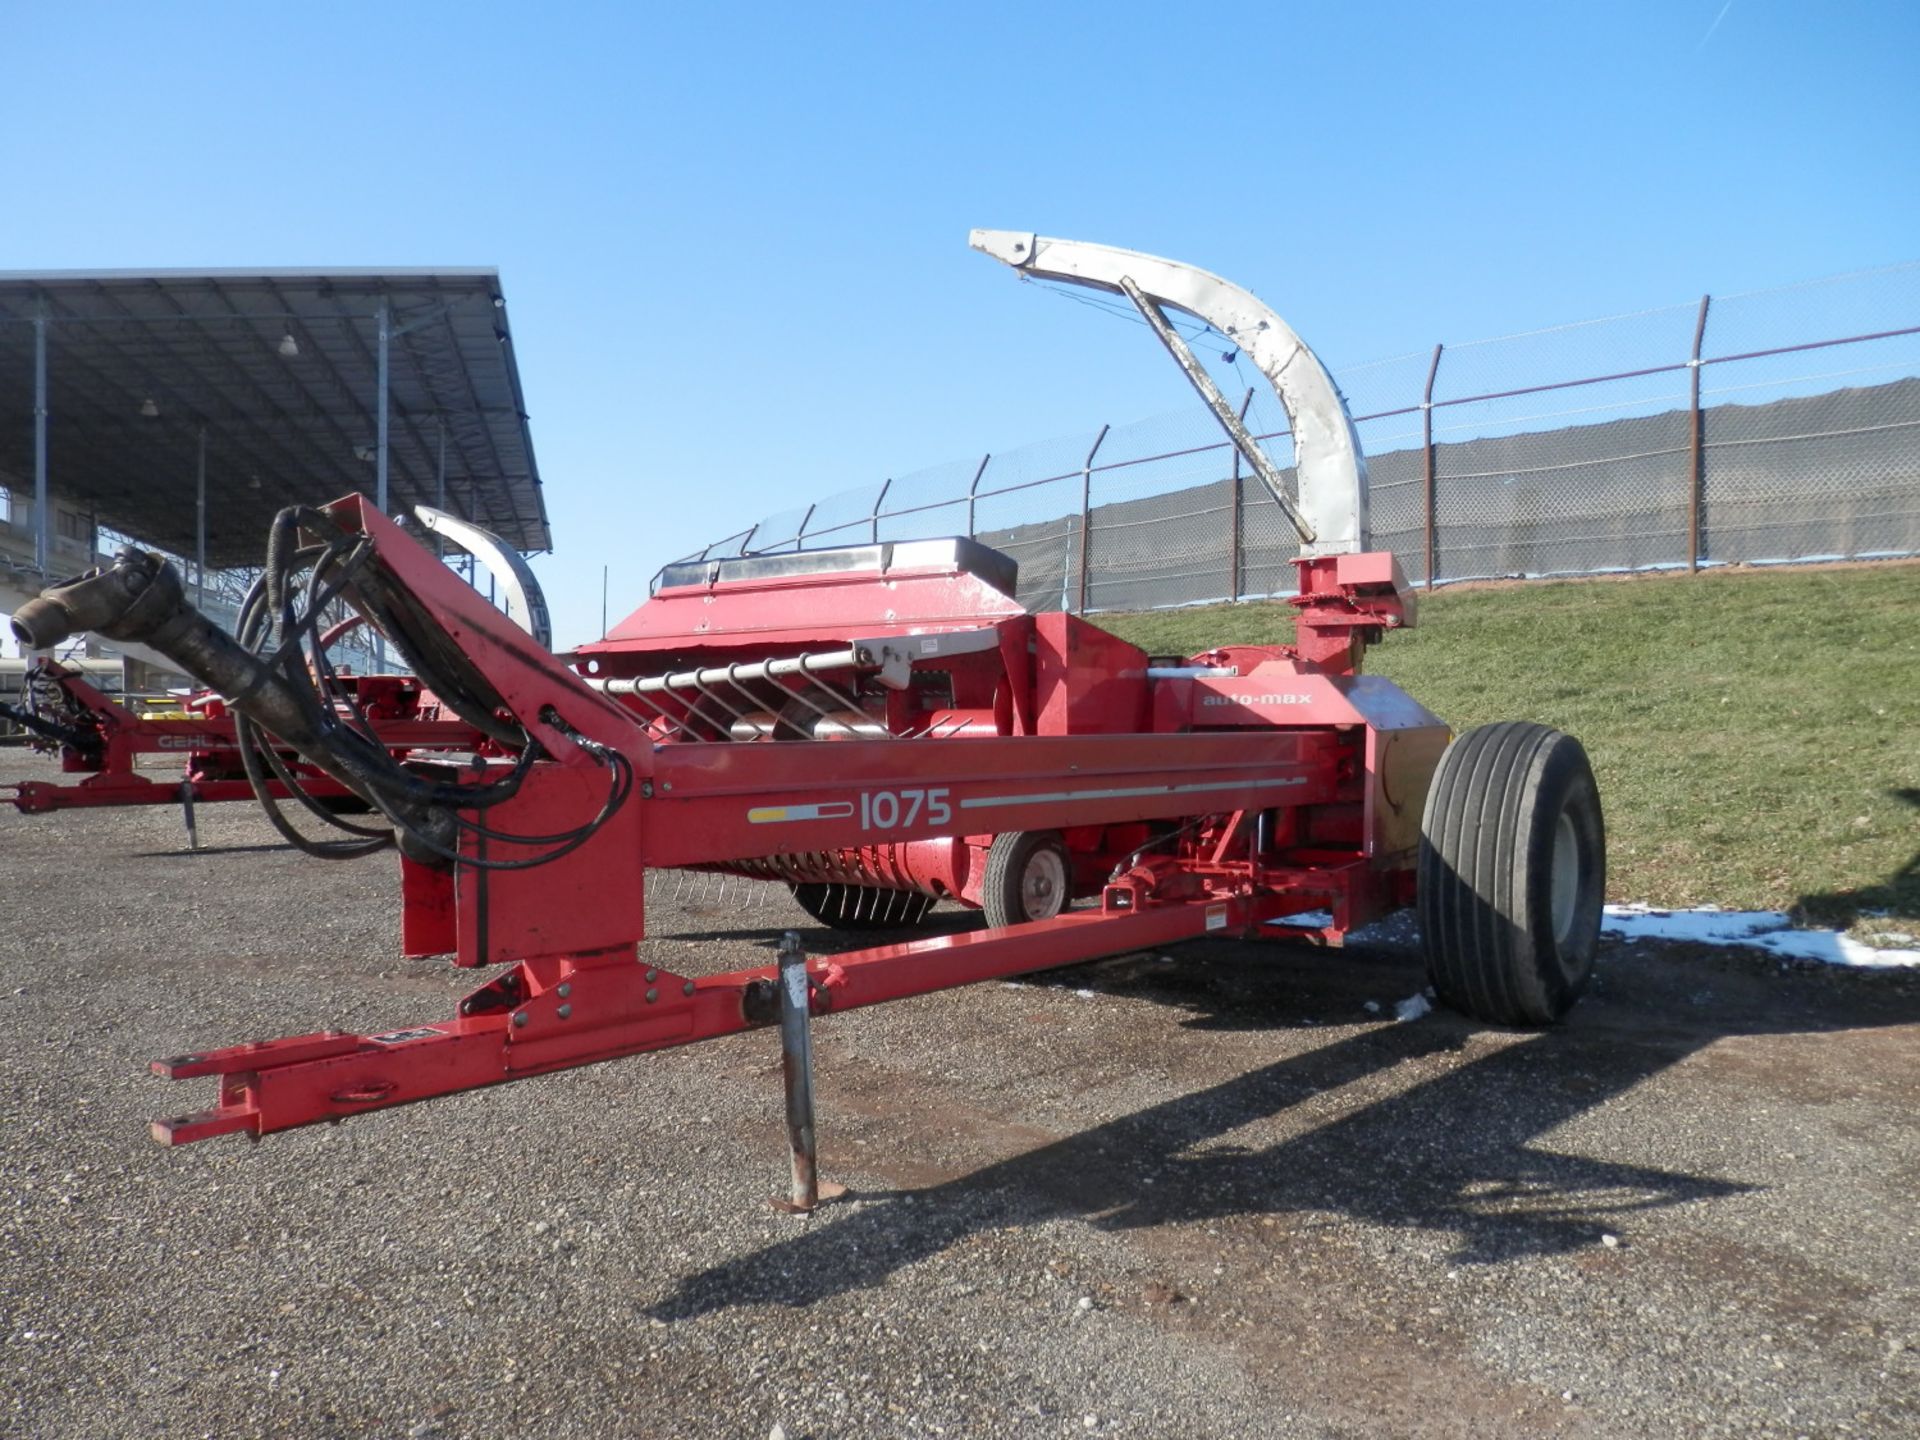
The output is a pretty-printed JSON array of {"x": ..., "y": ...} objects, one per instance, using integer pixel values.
[
  {"x": 42, "y": 508},
  {"x": 385, "y": 318},
  {"x": 439, "y": 475},
  {"x": 200, "y": 525}
]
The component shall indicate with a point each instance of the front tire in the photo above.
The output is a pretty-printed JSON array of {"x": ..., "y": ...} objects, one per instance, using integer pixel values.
[
  {"x": 1512, "y": 876},
  {"x": 1029, "y": 876}
]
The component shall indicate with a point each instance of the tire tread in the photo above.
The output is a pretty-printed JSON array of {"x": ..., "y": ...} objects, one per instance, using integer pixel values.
[{"x": 1479, "y": 856}]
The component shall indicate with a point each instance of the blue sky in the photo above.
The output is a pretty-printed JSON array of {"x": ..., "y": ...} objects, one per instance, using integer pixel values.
[{"x": 733, "y": 239}]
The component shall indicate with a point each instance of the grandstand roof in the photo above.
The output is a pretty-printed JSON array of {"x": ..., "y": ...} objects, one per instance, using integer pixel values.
[{"x": 279, "y": 369}]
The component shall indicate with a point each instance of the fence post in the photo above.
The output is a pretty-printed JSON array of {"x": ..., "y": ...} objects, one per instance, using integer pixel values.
[
  {"x": 1239, "y": 496},
  {"x": 878, "y": 501},
  {"x": 1086, "y": 514},
  {"x": 1426, "y": 457},
  {"x": 973, "y": 490},
  {"x": 1696, "y": 450}
]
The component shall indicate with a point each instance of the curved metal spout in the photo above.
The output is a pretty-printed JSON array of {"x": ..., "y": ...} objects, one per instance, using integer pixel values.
[
  {"x": 1332, "y": 470},
  {"x": 526, "y": 603}
]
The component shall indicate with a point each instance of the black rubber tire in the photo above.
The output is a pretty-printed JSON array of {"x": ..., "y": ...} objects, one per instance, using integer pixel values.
[
  {"x": 1006, "y": 896},
  {"x": 862, "y": 907},
  {"x": 1510, "y": 803}
]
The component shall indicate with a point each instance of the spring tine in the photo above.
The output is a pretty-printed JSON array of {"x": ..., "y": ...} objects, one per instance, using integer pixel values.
[
  {"x": 675, "y": 721},
  {"x": 733, "y": 679},
  {"x": 739, "y": 675},
  {"x": 712, "y": 695},
  {"x": 802, "y": 699},
  {"x": 683, "y": 721},
  {"x": 839, "y": 697},
  {"x": 722, "y": 732}
]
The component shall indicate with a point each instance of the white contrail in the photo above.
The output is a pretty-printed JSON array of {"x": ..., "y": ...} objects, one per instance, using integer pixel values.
[{"x": 1713, "y": 27}]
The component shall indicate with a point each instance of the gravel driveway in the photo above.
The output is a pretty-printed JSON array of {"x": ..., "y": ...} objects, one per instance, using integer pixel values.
[{"x": 1216, "y": 1191}]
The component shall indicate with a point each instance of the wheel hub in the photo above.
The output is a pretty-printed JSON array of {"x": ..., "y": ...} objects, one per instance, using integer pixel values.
[
  {"x": 1044, "y": 886},
  {"x": 1566, "y": 878}
]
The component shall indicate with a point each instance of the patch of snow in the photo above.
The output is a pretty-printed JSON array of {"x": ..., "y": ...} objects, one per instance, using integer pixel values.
[
  {"x": 1413, "y": 1007},
  {"x": 1763, "y": 929},
  {"x": 1306, "y": 920}
]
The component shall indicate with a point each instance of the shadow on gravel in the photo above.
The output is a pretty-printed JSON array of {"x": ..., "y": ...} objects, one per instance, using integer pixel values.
[
  {"x": 185, "y": 854},
  {"x": 1457, "y": 1153}
]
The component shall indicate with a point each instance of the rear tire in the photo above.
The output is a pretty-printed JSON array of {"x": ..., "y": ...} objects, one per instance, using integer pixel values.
[
  {"x": 1029, "y": 876},
  {"x": 1512, "y": 876},
  {"x": 862, "y": 907}
]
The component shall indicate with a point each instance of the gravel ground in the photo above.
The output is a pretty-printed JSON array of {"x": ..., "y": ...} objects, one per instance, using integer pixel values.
[{"x": 1212, "y": 1192}]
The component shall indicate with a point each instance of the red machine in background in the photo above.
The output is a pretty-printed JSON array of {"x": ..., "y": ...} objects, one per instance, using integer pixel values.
[
  {"x": 103, "y": 739},
  {"x": 881, "y": 728}
]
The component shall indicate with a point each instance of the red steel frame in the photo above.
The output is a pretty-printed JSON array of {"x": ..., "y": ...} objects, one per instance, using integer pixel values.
[{"x": 1263, "y": 781}]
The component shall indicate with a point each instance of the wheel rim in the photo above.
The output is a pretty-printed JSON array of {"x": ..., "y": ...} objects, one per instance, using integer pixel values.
[
  {"x": 1566, "y": 878},
  {"x": 1043, "y": 886}
]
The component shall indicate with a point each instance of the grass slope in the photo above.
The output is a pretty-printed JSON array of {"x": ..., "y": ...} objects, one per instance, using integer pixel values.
[{"x": 1756, "y": 734}]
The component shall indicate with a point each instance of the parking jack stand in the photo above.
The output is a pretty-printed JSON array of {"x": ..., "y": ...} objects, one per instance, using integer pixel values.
[
  {"x": 796, "y": 1064},
  {"x": 186, "y": 814}
]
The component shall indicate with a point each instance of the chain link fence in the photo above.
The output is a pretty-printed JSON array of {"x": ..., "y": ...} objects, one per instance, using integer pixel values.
[{"x": 1761, "y": 428}]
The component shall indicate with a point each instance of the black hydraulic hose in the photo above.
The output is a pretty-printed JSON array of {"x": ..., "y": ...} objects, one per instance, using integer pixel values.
[
  {"x": 251, "y": 749},
  {"x": 49, "y": 729},
  {"x": 327, "y": 698}
]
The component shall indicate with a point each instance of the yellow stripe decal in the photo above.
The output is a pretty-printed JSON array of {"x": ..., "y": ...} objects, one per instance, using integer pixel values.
[{"x": 780, "y": 814}]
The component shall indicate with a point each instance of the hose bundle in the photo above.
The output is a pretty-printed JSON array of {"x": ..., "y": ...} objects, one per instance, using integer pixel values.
[{"x": 280, "y": 624}]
